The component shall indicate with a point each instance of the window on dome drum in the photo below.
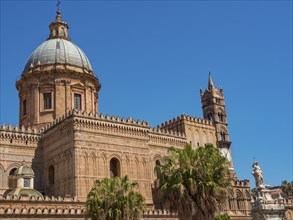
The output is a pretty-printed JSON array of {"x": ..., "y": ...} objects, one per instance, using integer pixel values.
[
  {"x": 56, "y": 31},
  {"x": 24, "y": 107},
  {"x": 114, "y": 167},
  {"x": 47, "y": 100},
  {"x": 77, "y": 101},
  {"x": 12, "y": 179},
  {"x": 62, "y": 32},
  {"x": 51, "y": 175},
  {"x": 26, "y": 182}
]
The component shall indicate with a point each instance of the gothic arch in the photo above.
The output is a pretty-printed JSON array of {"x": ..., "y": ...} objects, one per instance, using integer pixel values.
[
  {"x": 11, "y": 166},
  {"x": 85, "y": 153},
  {"x": 239, "y": 200},
  {"x": 2, "y": 167},
  {"x": 103, "y": 171},
  {"x": 238, "y": 193},
  {"x": 128, "y": 165},
  {"x": 231, "y": 200},
  {"x": 247, "y": 195},
  {"x": 93, "y": 164},
  {"x": 118, "y": 156},
  {"x": 223, "y": 128},
  {"x": 204, "y": 137},
  {"x": 85, "y": 157},
  {"x": 2, "y": 176},
  {"x": 220, "y": 110},
  {"x": 137, "y": 168},
  {"x": 158, "y": 157}
]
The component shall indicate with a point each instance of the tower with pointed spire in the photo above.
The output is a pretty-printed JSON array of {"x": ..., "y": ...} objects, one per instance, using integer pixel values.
[{"x": 214, "y": 110}]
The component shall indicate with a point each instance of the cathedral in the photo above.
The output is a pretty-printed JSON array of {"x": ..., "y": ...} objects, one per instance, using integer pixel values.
[{"x": 49, "y": 162}]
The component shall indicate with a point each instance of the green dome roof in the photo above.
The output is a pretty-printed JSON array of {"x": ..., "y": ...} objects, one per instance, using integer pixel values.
[
  {"x": 24, "y": 170},
  {"x": 27, "y": 192}
]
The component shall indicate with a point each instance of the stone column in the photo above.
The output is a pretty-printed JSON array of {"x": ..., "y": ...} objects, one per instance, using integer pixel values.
[
  {"x": 31, "y": 183},
  {"x": 59, "y": 98},
  {"x": 68, "y": 105},
  {"x": 35, "y": 110}
]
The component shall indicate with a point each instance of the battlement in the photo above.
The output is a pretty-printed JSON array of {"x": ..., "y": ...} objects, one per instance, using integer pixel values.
[
  {"x": 181, "y": 118},
  {"x": 241, "y": 183},
  {"x": 10, "y": 134},
  {"x": 90, "y": 115},
  {"x": 22, "y": 129},
  {"x": 24, "y": 206},
  {"x": 159, "y": 213},
  {"x": 20, "y": 198},
  {"x": 166, "y": 138},
  {"x": 119, "y": 126},
  {"x": 167, "y": 132},
  {"x": 66, "y": 206}
]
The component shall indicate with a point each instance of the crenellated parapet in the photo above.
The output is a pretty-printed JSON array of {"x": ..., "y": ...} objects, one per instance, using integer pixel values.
[
  {"x": 159, "y": 214},
  {"x": 166, "y": 138},
  {"x": 101, "y": 117},
  {"x": 19, "y": 135},
  {"x": 48, "y": 206},
  {"x": 175, "y": 123},
  {"x": 241, "y": 183},
  {"x": 113, "y": 125},
  {"x": 67, "y": 207}
]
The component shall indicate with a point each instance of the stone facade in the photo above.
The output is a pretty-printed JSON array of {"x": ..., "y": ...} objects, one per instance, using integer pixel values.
[{"x": 69, "y": 145}]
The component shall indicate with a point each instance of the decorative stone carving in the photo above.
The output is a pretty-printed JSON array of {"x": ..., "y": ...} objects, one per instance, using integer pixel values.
[
  {"x": 257, "y": 173},
  {"x": 264, "y": 207}
]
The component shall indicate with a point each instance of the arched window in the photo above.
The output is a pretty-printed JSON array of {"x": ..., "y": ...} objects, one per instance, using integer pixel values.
[
  {"x": 220, "y": 116},
  {"x": 12, "y": 180},
  {"x": 210, "y": 116},
  {"x": 155, "y": 170},
  {"x": 222, "y": 136},
  {"x": 56, "y": 31},
  {"x": 114, "y": 167},
  {"x": 51, "y": 175},
  {"x": 62, "y": 32}
]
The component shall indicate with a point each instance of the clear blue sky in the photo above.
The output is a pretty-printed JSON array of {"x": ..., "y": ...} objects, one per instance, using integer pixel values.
[{"x": 152, "y": 57}]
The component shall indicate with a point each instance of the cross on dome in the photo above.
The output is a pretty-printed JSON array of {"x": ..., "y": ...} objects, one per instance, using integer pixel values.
[{"x": 58, "y": 28}]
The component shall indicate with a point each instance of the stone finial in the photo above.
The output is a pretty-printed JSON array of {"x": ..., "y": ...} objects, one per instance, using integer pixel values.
[
  {"x": 58, "y": 28},
  {"x": 210, "y": 83}
]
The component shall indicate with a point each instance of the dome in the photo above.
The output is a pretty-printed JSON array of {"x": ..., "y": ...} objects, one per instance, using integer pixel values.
[
  {"x": 24, "y": 170},
  {"x": 58, "y": 51},
  {"x": 26, "y": 192}
]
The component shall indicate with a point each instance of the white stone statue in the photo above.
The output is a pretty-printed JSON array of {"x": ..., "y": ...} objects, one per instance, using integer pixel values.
[{"x": 257, "y": 173}]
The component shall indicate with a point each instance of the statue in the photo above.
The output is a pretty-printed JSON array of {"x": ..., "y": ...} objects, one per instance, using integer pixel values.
[{"x": 257, "y": 173}]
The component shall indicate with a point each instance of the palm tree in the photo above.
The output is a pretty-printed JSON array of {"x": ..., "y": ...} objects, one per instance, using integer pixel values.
[
  {"x": 287, "y": 187},
  {"x": 114, "y": 199},
  {"x": 194, "y": 182}
]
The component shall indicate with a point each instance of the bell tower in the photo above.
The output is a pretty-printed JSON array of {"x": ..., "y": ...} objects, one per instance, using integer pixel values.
[{"x": 214, "y": 109}]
